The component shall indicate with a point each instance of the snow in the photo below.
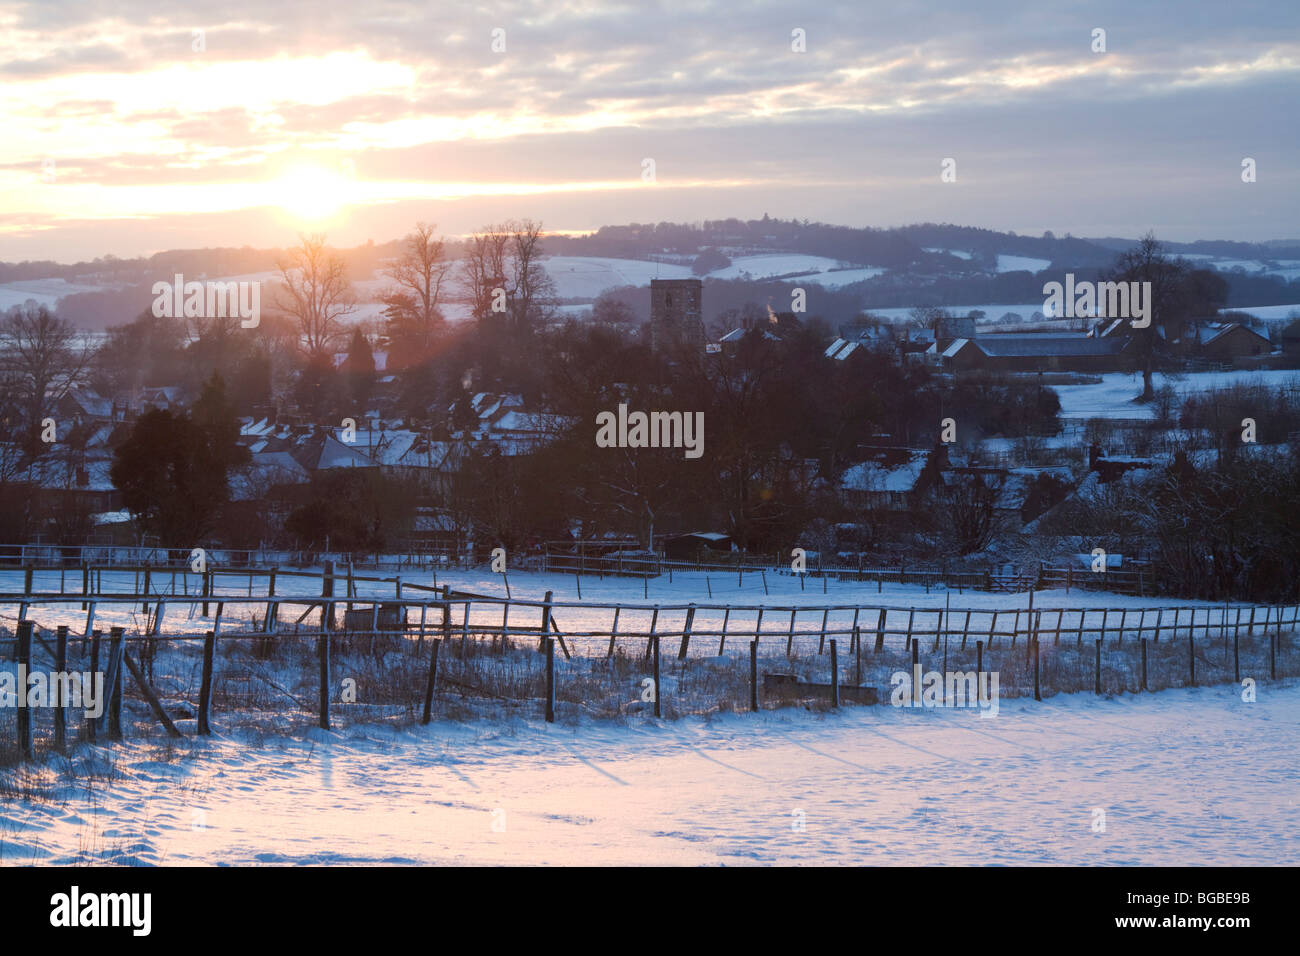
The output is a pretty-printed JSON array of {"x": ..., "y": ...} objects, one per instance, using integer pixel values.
[
  {"x": 586, "y": 277},
  {"x": 959, "y": 253},
  {"x": 992, "y": 313},
  {"x": 1112, "y": 398},
  {"x": 1184, "y": 777},
  {"x": 842, "y": 277},
  {"x": 1268, "y": 311},
  {"x": 45, "y": 292},
  {"x": 774, "y": 264},
  {"x": 1021, "y": 263},
  {"x": 593, "y": 612}
]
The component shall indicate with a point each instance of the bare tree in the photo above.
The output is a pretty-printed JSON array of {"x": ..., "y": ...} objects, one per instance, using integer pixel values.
[
  {"x": 40, "y": 362},
  {"x": 507, "y": 257},
  {"x": 316, "y": 293},
  {"x": 1147, "y": 262},
  {"x": 485, "y": 268},
  {"x": 421, "y": 270}
]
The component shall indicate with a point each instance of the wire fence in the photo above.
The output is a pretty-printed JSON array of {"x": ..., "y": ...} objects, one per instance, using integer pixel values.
[{"x": 179, "y": 661}]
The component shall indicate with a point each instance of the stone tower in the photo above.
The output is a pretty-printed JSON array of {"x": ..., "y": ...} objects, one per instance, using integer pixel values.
[{"x": 676, "y": 316}]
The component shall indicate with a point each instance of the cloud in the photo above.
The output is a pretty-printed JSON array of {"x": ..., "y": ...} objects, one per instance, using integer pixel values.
[{"x": 410, "y": 94}]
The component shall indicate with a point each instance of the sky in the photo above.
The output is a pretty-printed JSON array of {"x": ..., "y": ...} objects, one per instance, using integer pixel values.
[{"x": 132, "y": 127}]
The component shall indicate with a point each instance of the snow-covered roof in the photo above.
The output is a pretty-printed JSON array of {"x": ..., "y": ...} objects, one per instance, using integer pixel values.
[
  {"x": 1046, "y": 345},
  {"x": 325, "y": 451},
  {"x": 877, "y": 476},
  {"x": 111, "y": 517},
  {"x": 1227, "y": 329}
]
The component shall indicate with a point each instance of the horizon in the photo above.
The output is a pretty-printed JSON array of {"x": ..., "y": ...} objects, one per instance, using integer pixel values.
[{"x": 587, "y": 233}]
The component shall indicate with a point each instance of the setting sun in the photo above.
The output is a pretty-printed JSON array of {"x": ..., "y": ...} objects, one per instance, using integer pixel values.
[{"x": 312, "y": 193}]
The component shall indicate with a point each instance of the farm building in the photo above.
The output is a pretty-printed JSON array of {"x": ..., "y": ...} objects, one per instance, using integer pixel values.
[
  {"x": 1033, "y": 352},
  {"x": 695, "y": 546},
  {"x": 1235, "y": 341}
]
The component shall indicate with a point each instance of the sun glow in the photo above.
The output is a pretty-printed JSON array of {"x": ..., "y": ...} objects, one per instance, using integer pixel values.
[{"x": 312, "y": 193}]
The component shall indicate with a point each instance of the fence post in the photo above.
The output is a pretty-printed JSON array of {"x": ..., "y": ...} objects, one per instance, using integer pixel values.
[
  {"x": 880, "y": 631},
  {"x": 686, "y": 632},
  {"x": 327, "y": 591},
  {"x": 272, "y": 608},
  {"x": 1236, "y": 657},
  {"x": 550, "y": 681},
  {"x": 205, "y": 685},
  {"x": 979, "y": 659},
  {"x": 753, "y": 675},
  {"x": 546, "y": 619},
  {"x": 91, "y": 724},
  {"x": 1144, "y": 663},
  {"x": 323, "y": 653},
  {"x": 1098, "y": 666},
  {"x": 1038, "y": 695},
  {"x": 60, "y": 667},
  {"x": 655, "y": 641},
  {"x": 857, "y": 644},
  {"x": 23, "y": 658},
  {"x": 1272, "y": 656},
  {"x": 433, "y": 682},
  {"x": 654, "y": 622},
  {"x": 116, "y": 649},
  {"x": 835, "y": 675}
]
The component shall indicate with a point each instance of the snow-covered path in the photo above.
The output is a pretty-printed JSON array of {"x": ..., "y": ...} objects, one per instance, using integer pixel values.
[{"x": 1184, "y": 777}]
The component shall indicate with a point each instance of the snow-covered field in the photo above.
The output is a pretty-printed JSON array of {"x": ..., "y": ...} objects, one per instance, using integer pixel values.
[
  {"x": 1022, "y": 263},
  {"x": 816, "y": 269},
  {"x": 585, "y": 277},
  {"x": 1113, "y": 397},
  {"x": 1269, "y": 311},
  {"x": 592, "y": 611},
  {"x": 1182, "y": 777},
  {"x": 45, "y": 292},
  {"x": 589, "y": 276}
]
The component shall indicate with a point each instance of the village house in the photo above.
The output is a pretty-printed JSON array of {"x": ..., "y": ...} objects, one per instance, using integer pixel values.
[{"x": 1230, "y": 341}]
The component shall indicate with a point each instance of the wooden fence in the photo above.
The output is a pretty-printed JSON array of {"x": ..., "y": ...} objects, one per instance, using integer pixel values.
[{"x": 459, "y": 620}]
